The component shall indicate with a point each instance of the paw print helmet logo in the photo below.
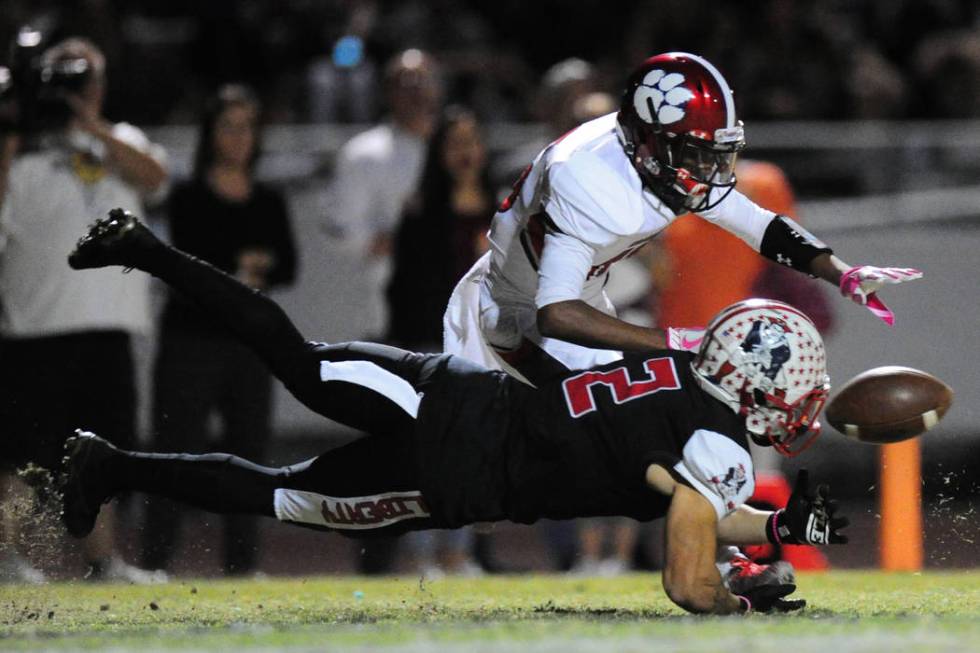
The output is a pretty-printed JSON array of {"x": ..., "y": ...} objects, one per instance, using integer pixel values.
[
  {"x": 661, "y": 97},
  {"x": 677, "y": 124}
]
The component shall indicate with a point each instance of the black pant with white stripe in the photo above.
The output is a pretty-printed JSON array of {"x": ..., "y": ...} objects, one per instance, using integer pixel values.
[{"x": 367, "y": 485}]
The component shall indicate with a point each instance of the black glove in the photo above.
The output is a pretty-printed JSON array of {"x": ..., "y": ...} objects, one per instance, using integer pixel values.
[
  {"x": 807, "y": 518},
  {"x": 769, "y": 598}
]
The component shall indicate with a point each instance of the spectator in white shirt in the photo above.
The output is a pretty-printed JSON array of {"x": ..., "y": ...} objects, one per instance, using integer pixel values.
[
  {"x": 64, "y": 337},
  {"x": 377, "y": 171}
]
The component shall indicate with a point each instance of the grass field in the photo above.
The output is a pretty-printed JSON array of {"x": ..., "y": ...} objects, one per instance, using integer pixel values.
[{"x": 848, "y": 611}]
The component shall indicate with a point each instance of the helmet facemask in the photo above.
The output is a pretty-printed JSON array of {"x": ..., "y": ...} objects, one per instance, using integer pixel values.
[
  {"x": 686, "y": 171},
  {"x": 700, "y": 166},
  {"x": 788, "y": 428}
]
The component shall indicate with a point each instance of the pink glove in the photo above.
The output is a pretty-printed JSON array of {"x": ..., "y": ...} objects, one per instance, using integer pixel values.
[
  {"x": 861, "y": 283},
  {"x": 685, "y": 339}
]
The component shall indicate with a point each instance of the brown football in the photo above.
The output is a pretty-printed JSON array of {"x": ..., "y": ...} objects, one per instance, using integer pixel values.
[{"x": 889, "y": 404}]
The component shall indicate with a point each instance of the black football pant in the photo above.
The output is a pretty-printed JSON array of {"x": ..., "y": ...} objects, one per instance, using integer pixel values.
[{"x": 363, "y": 488}]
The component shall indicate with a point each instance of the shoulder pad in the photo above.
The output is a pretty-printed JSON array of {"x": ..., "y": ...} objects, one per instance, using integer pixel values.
[
  {"x": 593, "y": 200},
  {"x": 718, "y": 468}
]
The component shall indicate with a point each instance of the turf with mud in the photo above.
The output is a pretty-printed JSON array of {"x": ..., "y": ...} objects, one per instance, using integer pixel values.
[{"x": 848, "y": 611}]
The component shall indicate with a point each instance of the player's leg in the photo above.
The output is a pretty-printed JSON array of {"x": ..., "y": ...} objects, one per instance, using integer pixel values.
[
  {"x": 365, "y": 486},
  {"x": 367, "y": 387},
  {"x": 121, "y": 239},
  {"x": 220, "y": 483}
]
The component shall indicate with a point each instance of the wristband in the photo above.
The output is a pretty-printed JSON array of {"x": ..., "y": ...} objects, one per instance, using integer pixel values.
[
  {"x": 789, "y": 244},
  {"x": 745, "y": 603},
  {"x": 772, "y": 528}
]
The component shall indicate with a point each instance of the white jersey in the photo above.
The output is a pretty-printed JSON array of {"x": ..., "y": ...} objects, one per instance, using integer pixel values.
[{"x": 579, "y": 208}]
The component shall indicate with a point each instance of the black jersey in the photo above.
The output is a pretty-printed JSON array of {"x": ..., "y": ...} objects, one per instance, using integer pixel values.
[
  {"x": 586, "y": 441},
  {"x": 492, "y": 448}
]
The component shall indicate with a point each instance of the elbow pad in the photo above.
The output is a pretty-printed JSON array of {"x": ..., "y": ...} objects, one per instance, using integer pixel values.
[{"x": 789, "y": 244}]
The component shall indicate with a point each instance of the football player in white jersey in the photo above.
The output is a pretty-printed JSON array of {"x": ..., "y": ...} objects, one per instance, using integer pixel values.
[{"x": 534, "y": 305}]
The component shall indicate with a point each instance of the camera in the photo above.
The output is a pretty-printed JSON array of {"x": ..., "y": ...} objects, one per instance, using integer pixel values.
[{"x": 34, "y": 90}]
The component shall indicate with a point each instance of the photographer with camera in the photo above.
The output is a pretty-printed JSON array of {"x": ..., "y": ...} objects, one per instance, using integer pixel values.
[{"x": 65, "y": 339}]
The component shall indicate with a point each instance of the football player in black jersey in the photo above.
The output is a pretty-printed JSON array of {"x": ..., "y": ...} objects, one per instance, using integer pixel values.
[{"x": 662, "y": 434}]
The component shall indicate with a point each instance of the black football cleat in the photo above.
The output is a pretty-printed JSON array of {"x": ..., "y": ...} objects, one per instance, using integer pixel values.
[
  {"x": 118, "y": 239},
  {"x": 87, "y": 485}
]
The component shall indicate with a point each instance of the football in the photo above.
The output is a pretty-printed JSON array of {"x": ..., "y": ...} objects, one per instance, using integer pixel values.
[{"x": 889, "y": 404}]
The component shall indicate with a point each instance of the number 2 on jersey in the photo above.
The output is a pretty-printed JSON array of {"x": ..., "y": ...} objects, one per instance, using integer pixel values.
[{"x": 579, "y": 390}]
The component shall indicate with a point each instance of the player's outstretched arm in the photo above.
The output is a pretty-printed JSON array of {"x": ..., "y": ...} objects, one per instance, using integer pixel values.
[
  {"x": 789, "y": 244},
  {"x": 782, "y": 240},
  {"x": 576, "y": 322},
  {"x": 566, "y": 263},
  {"x": 807, "y": 518},
  {"x": 690, "y": 576},
  {"x": 743, "y": 527}
]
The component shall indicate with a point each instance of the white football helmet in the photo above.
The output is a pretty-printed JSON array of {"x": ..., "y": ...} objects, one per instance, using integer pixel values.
[{"x": 766, "y": 361}]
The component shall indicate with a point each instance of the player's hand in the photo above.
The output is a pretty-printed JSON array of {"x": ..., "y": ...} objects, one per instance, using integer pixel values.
[
  {"x": 862, "y": 282},
  {"x": 807, "y": 518},
  {"x": 770, "y": 598},
  {"x": 685, "y": 339}
]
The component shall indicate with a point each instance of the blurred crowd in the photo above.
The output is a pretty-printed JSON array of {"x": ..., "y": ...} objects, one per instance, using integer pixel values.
[
  {"x": 414, "y": 192},
  {"x": 323, "y": 61}
]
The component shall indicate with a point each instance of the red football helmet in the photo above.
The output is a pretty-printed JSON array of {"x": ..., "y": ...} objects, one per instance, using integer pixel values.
[{"x": 677, "y": 124}]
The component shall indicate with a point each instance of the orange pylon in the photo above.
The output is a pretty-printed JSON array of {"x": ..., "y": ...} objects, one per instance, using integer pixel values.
[{"x": 900, "y": 498}]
